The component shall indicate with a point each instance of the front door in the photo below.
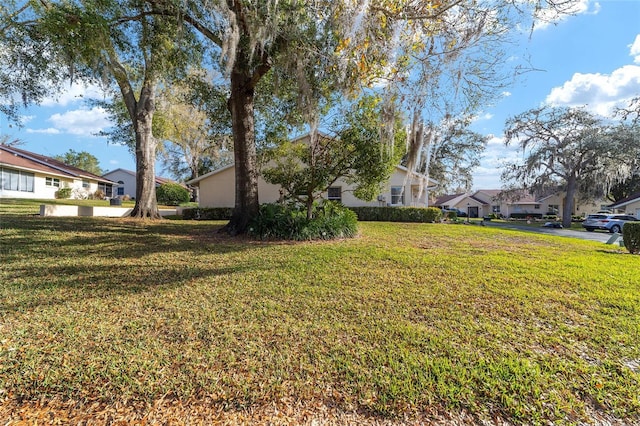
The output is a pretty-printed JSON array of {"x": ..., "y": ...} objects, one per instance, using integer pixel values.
[{"x": 472, "y": 211}]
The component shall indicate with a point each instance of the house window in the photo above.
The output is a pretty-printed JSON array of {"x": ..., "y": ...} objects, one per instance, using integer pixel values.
[
  {"x": 85, "y": 183},
  {"x": 52, "y": 182},
  {"x": 107, "y": 190},
  {"x": 495, "y": 209},
  {"x": 397, "y": 195},
  {"x": 15, "y": 180},
  {"x": 334, "y": 193},
  {"x": 554, "y": 208},
  {"x": 536, "y": 206}
]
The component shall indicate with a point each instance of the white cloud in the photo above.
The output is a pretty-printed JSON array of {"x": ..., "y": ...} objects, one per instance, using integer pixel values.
[
  {"x": 76, "y": 92},
  {"x": 48, "y": 131},
  {"x": 495, "y": 141},
  {"x": 494, "y": 158},
  {"x": 599, "y": 92},
  {"x": 24, "y": 119},
  {"x": 506, "y": 94},
  {"x": 81, "y": 122},
  {"x": 634, "y": 50},
  {"x": 546, "y": 17},
  {"x": 484, "y": 117}
]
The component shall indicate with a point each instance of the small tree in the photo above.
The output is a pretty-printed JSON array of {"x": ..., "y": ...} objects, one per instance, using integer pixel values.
[{"x": 306, "y": 169}]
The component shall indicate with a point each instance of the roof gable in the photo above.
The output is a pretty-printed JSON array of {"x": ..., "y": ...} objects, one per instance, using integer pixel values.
[
  {"x": 628, "y": 200},
  {"x": 21, "y": 158}
]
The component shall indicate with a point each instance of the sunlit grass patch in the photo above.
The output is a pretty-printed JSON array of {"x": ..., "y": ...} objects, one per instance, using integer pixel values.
[{"x": 405, "y": 318}]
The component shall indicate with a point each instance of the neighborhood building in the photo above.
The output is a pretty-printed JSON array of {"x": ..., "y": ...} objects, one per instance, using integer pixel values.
[
  {"x": 404, "y": 188},
  {"x": 485, "y": 202},
  {"x": 629, "y": 205},
  {"x": 126, "y": 182},
  {"x": 25, "y": 174},
  {"x": 217, "y": 189}
]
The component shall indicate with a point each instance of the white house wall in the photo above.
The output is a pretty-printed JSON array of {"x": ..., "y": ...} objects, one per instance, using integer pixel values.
[
  {"x": 128, "y": 179},
  {"x": 218, "y": 190},
  {"x": 45, "y": 192}
]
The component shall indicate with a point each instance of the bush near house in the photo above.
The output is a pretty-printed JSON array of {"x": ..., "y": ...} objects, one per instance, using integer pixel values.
[
  {"x": 631, "y": 237},
  {"x": 63, "y": 193},
  {"x": 289, "y": 222},
  {"x": 398, "y": 214},
  {"x": 172, "y": 194}
]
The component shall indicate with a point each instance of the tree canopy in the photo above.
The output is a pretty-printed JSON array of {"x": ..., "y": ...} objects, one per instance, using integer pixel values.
[
  {"x": 319, "y": 48},
  {"x": 82, "y": 160},
  {"x": 569, "y": 149},
  {"x": 128, "y": 47}
]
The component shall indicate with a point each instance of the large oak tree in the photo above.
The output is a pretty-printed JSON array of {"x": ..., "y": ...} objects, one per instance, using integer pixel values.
[
  {"x": 126, "y": 46},
  {"x": 348, "y": 45},
  {"x": 568, "y": 149}
]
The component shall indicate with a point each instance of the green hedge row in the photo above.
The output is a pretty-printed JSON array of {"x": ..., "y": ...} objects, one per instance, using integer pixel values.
[
  {"x": 211, "y": 213},
  {"x": 398, "y": 214},
  {"x": 631, "y": 237}
]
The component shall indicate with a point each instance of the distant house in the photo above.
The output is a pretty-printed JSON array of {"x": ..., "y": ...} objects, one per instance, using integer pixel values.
[
  {"x": 126, "y": 182},
  {"x": 629, "y": 205},
  {"x": 25, "y": 174},
  {"x": 217, "y": 189},
  {"x": 491, "y": 201}
]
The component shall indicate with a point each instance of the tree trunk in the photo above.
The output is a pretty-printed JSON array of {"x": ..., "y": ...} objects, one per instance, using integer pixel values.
[
  {"x": 567, "y": 207},
  {"x": 241, "y": 105},
  {"x": 146, "y": 202}
]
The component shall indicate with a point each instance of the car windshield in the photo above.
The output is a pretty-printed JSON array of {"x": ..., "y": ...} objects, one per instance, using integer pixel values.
[{"x": 597, "y": 216}]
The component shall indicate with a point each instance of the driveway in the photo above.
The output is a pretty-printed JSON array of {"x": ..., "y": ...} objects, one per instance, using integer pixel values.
[{"x": 599, "y": 236}]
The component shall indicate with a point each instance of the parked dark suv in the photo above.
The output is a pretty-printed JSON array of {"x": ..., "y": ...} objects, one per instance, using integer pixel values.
[{"x": 607, "y": 222}]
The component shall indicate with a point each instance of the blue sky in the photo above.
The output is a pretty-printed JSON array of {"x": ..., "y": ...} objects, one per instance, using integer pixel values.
[{"x": 592, "y": 58}]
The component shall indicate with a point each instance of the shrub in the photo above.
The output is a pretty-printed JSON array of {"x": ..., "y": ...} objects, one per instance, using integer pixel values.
[
  {"x": 213, "y": 213},
  {"x": 98, "y": 195},
  {"x": 63, "y": 193},
  {"x": 289, "y": 222},
  {"x": 398, "y": 214},
  {"x": 631, "y": 237},
  {"x": 172, "y": 194}
]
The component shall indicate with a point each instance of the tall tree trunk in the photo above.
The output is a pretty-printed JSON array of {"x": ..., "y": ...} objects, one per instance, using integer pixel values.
[
  {"x": 567, "y": 207},
  {"x": 241, "y": 105},
  {"x": 146, "y": 202}
]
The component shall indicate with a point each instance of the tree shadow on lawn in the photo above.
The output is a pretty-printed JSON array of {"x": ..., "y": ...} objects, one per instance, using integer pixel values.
[
  {"x": 47, "y": 262},
  {"x": 113, "y": 238}
]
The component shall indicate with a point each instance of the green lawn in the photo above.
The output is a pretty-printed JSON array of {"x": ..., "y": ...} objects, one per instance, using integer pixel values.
[{"x": 417, "y": 321}]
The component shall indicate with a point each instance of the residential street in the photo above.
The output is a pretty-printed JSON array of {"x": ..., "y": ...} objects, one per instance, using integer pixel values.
[{"x": 600, "y": 236}]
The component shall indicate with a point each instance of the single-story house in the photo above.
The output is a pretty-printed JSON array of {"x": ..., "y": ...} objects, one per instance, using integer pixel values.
[
  {"x": 484, "y": 202},
  {"x": 217, "y": 189},
  {"x": 629, "y": 205},
  {"x": 25, "y": 174},
  {"x": 126, "y": 182}
]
